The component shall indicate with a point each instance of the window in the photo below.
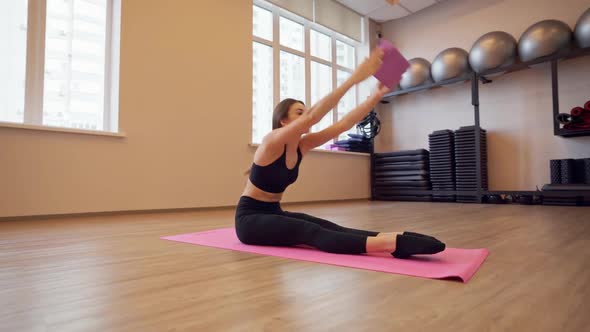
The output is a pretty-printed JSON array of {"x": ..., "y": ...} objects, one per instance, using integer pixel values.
[
  {"x": 321, "y": 85},
  {"x": 295, "y": 58},
  {"x": 60, "y": 70}
]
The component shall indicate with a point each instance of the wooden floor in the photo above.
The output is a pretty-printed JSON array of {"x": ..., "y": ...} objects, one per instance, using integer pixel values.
[{"x": 113, "y": 273}]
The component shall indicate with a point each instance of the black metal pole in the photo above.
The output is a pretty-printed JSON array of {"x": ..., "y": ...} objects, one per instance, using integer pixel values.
[
  {"x": 475, "y": 103},
  {"x": 555, "y": 94},
  {"x": 372, "y": 171}
]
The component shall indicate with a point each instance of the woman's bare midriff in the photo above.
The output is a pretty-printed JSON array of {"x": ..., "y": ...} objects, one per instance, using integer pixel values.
[{"x": 254, "y": 192}]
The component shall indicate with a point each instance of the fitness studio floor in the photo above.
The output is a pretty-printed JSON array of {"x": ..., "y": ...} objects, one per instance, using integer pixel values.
[{"x": 113, "y": 273}]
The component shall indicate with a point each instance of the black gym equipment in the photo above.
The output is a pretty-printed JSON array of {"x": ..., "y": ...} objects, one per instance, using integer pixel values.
[
  {"x": 395, "y": 175},
  {"x": 442, "y": 164}
]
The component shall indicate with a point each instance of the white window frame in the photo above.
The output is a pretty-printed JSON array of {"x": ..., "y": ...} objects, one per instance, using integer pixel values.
[
  {"x": 278, "y": 12},
  {"x": 35, "y": 68}
]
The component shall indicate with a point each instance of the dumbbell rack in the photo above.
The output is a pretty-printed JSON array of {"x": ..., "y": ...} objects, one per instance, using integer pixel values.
[{"x": 475, "y": 78}]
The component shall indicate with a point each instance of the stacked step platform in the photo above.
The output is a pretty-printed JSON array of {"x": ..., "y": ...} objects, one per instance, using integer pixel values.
[
  {"x": 466, "y": 162},
  {"x": 398, "y": 174},
  {"x": 568, "y": 175},
  {"x": 442, "y": 164}
]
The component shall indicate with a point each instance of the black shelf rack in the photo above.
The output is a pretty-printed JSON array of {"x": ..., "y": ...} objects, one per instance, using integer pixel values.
[{"x": 475, "y": 78}]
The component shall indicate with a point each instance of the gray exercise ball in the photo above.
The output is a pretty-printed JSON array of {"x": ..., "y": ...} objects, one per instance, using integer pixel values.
[
  {"x": 450, "y": 63},
  {"x": 417, "y": 74},
  {"x": 492, "y": 50},
  {"x": 544, "y": 38},
  {"x": 582, "y": 30}
]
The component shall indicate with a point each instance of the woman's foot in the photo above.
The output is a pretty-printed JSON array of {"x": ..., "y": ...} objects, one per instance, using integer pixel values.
[
  {"x": 382, "y": 242},
  {"x": 394, "y": 234},
  {"x": 421, "y": 235},
  {"x": 408, "y": 245}
]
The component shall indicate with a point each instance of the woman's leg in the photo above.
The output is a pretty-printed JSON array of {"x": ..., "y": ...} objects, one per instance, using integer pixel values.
[
  {"x": 410, "y": 243},
  {"x": 335, "y": 227},
  {"x": 376, "y": 242},
  {"x": 330, "y": 225},
  {"x": 281, "y": 230}
]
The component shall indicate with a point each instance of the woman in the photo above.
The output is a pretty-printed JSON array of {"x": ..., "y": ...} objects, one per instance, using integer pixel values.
[{"x": 259, "y": 217}]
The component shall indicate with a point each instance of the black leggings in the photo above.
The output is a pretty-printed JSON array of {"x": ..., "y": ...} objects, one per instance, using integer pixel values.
[{"x": 266, "y": 224}]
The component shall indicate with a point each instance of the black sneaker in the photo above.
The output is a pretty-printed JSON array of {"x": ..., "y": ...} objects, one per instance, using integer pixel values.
[
  {"x": 408, "y": 245},
  {"x": 421, "y": 235}
]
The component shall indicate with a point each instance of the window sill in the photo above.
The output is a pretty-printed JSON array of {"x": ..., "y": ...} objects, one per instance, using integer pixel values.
[
  {"x": 61, "y": 130},
  {"x": 325, "y": 151}
]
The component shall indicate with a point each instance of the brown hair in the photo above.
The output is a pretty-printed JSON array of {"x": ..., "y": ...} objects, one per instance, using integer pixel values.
[{"x": 281, "y": 111}]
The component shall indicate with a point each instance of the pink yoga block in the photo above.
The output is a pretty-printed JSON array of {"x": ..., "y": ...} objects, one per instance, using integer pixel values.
[
  {"x": 394, "y": 65},
  {"x": 451, "y": 263}
]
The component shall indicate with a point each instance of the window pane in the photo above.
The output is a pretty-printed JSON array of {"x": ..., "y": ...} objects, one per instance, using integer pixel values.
[
  {"x": 262, "y": 84},
  {"x": 321, "y": 85},
  {"x": 13, "y": 34},
  {"x": 75, "y": 41},
  {"x": 262, "y": 23},
  {"x": 292, "y": 71},
  {"x": 347, "y": 103},
  {"x": 321, "y": 45},
  {"x": 291, "y": 34},
  {"x": 345, "y": 55}
]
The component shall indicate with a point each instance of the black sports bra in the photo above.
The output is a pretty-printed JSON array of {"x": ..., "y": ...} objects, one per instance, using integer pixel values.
[{"x": 275, "y": 177}]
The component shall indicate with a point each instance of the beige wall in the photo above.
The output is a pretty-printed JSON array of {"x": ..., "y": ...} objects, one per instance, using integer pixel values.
[
  {"x": 515, "y": 109},
  {"x": 185, "y": 105}
]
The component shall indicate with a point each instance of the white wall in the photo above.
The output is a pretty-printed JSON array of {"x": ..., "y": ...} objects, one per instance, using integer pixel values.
[
  {"x": 516, "y": 109},
  {"x": 185, "y": 105}
]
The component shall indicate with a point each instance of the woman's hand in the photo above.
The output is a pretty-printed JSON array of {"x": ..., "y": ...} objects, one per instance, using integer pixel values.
[
  {"x": 369, "y": 66},
  {"x": 381, "y": 90}
]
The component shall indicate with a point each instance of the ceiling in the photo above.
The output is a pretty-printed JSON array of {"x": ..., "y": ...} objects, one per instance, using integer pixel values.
[{"x": 381, "y": 11}]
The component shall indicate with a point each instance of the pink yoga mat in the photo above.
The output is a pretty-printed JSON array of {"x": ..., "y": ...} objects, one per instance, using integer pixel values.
[
  {"x": 394, "y": 65},
  {"x": 451, "y": 263}
]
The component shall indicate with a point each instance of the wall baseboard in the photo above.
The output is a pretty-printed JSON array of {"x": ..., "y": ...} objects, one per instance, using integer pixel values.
[{"x": 171, "y": 210}]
